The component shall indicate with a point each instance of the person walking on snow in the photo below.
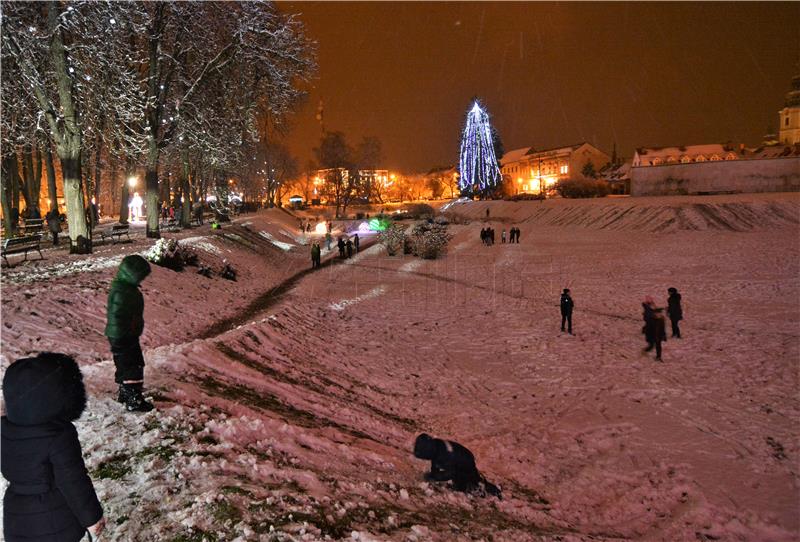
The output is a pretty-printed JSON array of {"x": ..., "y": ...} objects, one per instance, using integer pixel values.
[
  {"x": 516, "y": 235},
  {"x": 503, "y": 236},
  {"x": 328, "y": 239},
  {"x": 674, "y": 311},
  {"x": 657, "y": 331},
  {"x": 566, "y": 310},
  {"x": 53, "y": 224},
  {"x": 315, "y": 256},
  {"x": 356, "y": 242},
  {"x": 125, "y": 323},
  {"x": 50, "y": 497},
  {"x": 349, "y": 248}
]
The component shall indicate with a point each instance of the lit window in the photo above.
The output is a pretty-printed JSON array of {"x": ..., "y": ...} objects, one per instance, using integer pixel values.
[{"x": 699, "y": 158}]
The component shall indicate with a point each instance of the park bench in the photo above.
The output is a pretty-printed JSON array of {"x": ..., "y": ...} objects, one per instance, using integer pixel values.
[
  {"x": 23, "y": 244},
  {"x": 170, "y": 224},
  {"x": 117, "y": 230},
  {"x": 33, "y": 226}
]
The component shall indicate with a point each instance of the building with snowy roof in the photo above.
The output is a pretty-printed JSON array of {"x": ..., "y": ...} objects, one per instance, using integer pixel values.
[
  {"x": 534, "y": 171},
  {"x": 715, "y": 169},
  {"x": 789, "y": 116}
]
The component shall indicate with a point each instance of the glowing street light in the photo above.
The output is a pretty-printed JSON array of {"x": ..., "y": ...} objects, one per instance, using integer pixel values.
[{"x": 132, "y": 181}]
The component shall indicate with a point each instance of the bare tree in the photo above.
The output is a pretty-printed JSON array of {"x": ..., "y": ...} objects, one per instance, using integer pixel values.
[{"x": 335, "y": 156}]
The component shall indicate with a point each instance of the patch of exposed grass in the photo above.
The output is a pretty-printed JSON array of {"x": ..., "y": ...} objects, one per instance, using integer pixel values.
[
  {"x": 194, "y": 535},
  {"x": 225, "y": 511},
  {"x": 113, "y": 468}
]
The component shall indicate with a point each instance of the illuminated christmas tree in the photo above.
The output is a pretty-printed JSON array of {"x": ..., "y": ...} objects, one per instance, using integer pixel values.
[{"x": 478, "y": 167}]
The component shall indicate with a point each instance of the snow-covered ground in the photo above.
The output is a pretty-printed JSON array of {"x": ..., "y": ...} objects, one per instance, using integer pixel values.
[{"x": 298, "y": 424}]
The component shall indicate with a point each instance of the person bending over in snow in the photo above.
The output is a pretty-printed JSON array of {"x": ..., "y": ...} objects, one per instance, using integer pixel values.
[
  {"x": 452, "y": 461},
  {"x": 50, "y": 497},
  {"x": 125, "y": 324}
]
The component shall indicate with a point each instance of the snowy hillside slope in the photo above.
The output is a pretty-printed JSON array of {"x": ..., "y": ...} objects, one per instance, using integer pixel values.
[
  {"x": 298, "y": 423},
  {"x": 742, "y": 212}
]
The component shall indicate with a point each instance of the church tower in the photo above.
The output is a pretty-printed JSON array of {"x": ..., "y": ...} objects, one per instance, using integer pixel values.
[{"x": 789, "y": 116}]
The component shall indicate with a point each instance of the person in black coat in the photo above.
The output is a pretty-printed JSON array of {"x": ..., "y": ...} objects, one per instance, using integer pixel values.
[
  {"x": 657, "y": 331},
  {"x": 674, "y": 311},
  {"x": 356, "y": 242},
  {"x": 50, "y": 497},
  {"x": 452, "y": 461},
  {"x": 54, "y": 225},
  {"x": 566, "y": 310},
  {"x": 349, "y": 246},
  {"x": 341, "y": 246}
]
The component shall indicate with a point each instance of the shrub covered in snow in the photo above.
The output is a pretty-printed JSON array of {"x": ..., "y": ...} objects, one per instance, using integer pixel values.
[
  {"x": 392, "y": 238},
  {"x": 429, "y": 240},
  {"x": 171, "y": 254}
]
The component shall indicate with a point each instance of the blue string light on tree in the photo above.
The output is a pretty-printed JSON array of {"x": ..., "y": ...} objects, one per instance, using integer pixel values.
[{"x": 477, "y": 162}]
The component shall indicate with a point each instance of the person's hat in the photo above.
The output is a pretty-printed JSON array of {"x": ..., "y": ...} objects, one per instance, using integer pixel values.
[
  {"x": 566, "y": 290},
  {"x": 672, "y": 290}
]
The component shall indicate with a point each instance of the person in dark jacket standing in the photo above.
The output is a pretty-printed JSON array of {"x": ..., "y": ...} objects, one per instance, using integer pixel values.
[
  {"x": 341, "y": 246},
  {"x": 674, "y": 311},
  {"x": 349, "y": 246},
  {"x": 50, "y": 497},
  {"x": 566, "y": 310},
  {"x": 315, "y": 256},
  {"x": 125, "y": 323},
  {"x": 53, "y": 224},
  {"x": 356, "y": 242}
]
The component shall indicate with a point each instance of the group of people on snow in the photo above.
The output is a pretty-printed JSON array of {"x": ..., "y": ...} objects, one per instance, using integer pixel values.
[
  {"x": 655, "y": 328},
  {"x": 487, "y": 235},
  {"x": 348, "y": 247}
]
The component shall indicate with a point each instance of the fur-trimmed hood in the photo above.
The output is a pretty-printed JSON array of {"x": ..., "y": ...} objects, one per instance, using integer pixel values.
[{"x": 46, "y": 388}]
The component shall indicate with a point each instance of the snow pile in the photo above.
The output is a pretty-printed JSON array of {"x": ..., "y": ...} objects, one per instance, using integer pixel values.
[
  {"x": 459, "y": 201},
  {"x": 58, "y": 270},
  {"x": 203, "y": 243},
  {"x": 343, "y": 304},
  {"x": 279, "y": 244}
]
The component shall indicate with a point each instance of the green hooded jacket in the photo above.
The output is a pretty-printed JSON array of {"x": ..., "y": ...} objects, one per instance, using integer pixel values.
[{"x": 125, "y": 311}]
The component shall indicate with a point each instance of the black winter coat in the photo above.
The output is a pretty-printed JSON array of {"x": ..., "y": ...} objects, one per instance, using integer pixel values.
[
  {"x": 674, "y": 309},
  {"x": 50, "y": 497},
  {"x": 566, "y": 304}
]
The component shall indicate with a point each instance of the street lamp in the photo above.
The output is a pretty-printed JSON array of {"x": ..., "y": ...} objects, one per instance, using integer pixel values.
[{"x": 132, "y": 181}]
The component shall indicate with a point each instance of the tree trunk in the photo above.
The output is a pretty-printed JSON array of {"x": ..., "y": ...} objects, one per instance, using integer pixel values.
[
  {"x": 5, "y": 193},
  {"x": 124, "y": 210},
  {"x": 186, "y": 212},
  {"x": 13, "y": 174},
  {"x": 51, "y": 177},
  {"x": 152, "y": 202},
  {"x": 98, "y": 168},
  {"x": 73, "y": 197},
  {"x": 112, "y": 181},
  {"x": 27, "y": 177}
]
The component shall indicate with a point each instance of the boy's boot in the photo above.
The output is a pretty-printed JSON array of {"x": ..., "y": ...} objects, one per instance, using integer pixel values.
[{"x": 133, "y": 398}]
